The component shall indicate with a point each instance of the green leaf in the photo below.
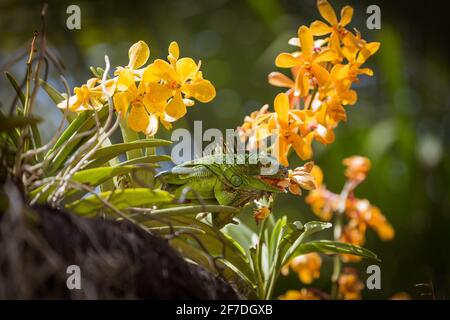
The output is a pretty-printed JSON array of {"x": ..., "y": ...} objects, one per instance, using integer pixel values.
[
  {"x": 276, "y": 237},
  {"x": 256, "y": 265},
  {"x": 147, "y": 159},
  {"x": 334, "y": 247},
  {"x": 71, "y": 129},
  {"x": 16, "y": 87},
  {"x": 94, "y": 72},
  {"x": 36, "y": 137},
  {"x": 129, "y": 135},
  {"x": 241, "y": 233},
  {"x": 14, "y": 122},
  {"x": 185, "y": 209},
  {"x": 200, "y": 257},
  {"x": 211, "y": 239},
  {"x": 295, "y": 237},
  {"x": 104, "y": 154},
  {"x": 121, "y": 199},
  {"x": 90, "y": 177},
  {"x": 57, "y": 97},
  {"x": 84, "y": 122},
  {"x": 54, "y": 94}
]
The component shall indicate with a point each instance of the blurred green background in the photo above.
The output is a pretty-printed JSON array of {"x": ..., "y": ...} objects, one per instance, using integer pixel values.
[{"x": 401, "y": 120}]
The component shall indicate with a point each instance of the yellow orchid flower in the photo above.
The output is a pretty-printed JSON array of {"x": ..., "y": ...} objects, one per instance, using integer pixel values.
[
  {"x": 309, "y": 62},
  {"x": 87, "y": 97},
  {"x": 354, "y": 232},
  {"x": 339, "y": 88},
  {"x": 317, "y": 124},
  {"x": 363, "y": 214},
  {"x": 354, "y": 44},
  {"x": 287, "y": 124},
  {"x": 323, "y": 202},
  {"x": 357, "y": 167},
  {"x": 307, "y": 267},
  {"x": 138, "y": 55},
  {"x": 335, "y": 28},
  {"x": 251, "y": 131},
  {"x": 378, "y": 222},
  {"x": 349, "y": 286},
  {"x": 302, "y": 294},
  {"x": 184, "y": 79},
  {"x": 351, "y": 70},
  {"x": 278, "y": 79},
  {"x": 145, "y": 109},
  {"x": 260, "y": 214}
]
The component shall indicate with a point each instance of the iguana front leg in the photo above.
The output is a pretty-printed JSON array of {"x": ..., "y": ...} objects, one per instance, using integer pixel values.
[
  {"x": 182, "y": 180},
  {"x": 226, "y": 197}
]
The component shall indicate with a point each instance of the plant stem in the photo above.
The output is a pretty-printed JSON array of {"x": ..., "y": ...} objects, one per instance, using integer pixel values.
[
  {"x": 261, "y": 276},
  {"x": 313, "y": 94},
  {"x": 128, "y": 135},
  {"x": 337, "y": 232},
  {"x": 336, "y": 259}
]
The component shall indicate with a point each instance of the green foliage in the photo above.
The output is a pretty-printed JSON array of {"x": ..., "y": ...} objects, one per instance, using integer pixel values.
[
  {"x": 89, "y": 177},
  {"x": 103, "y": 155},
  {"x": 119, "y": 200},
  {"x": 280, "y": 241}
]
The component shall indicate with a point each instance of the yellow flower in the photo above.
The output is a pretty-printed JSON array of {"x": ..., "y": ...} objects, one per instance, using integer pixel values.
[
  {"x": 334, "y": 27},
  {"x": 301, "y": 177},
  {"x": 309, "y": 62},
  {"x": 87, "y": 97},
  {"x": 144, "y": 108},
  {"x": 260, "y": 214},
  {"x": 278, "y": 79},
  {"x": 349, "y": 286},
  {"x": 250, "y": 129},
  {"x": 357, "y": 167},
  {"x": 323, "y": 202},
  {"x": 133, "y": 101},
  {"x": 400, "y": 296},
  {"x": 302, "y": 294},
  {"x": 363, "y": 213},
  {"x": 317, "y": 124},
  {"x": 307, "y": 267},
  {"x": 184, "y": 79},
  {"x": 155, "y": 93},
  {"x": 356, "y": 59},
  {"x": 377, "y": 221},
  {"x": 287, "y": 124},
  {"x": 317, "y": 175},
  {"x": 138, "y": 55},
  {"x": 354, "y": 232},
  {"x": 356, "y": 49},
  {"x": 334, "y": 96},
  {"x": 262, "y": 210}
]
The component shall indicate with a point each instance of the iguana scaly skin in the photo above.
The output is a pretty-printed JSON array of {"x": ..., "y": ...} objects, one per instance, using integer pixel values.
[{"x": 228, "y": 179}]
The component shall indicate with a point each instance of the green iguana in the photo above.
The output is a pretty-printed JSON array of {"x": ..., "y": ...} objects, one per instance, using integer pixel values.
[{"x": 228, "y": 179}]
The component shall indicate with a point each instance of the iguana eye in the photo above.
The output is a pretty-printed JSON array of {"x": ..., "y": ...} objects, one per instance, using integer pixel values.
[{"x": 236, "y": 181}]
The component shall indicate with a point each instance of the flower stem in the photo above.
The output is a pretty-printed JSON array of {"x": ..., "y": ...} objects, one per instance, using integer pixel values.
[
  {"x": 337, "y": 232},
  {"x": 128, "y": 135}
]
